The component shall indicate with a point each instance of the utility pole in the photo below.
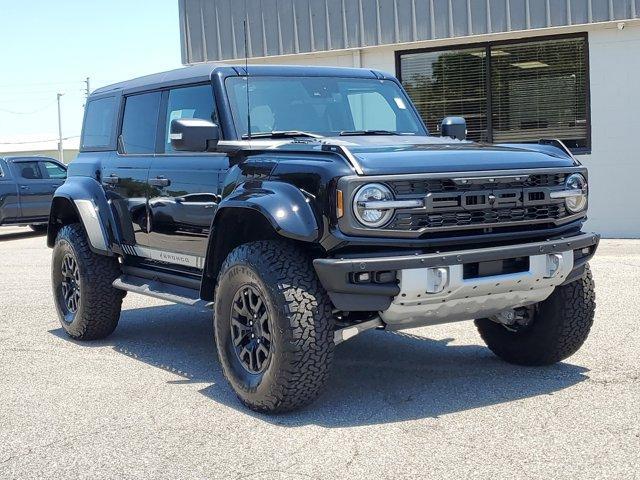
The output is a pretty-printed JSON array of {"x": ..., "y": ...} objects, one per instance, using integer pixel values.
[
  {"x": 60, "y": 147},
  {"x": 88, "y": 89}
]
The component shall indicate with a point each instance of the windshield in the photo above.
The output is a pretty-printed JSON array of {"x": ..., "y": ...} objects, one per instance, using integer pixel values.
[{"x": 327, "y": 106}]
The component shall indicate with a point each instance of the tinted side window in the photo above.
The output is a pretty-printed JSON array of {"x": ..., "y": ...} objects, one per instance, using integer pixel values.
[
  {"x": 140, "y": 121},
  {"x": 54, "y": 171},
  {"x": 29, "y": 170},
  {"x": 188, "y": 102},
  {"x": 98, "y": 123}
]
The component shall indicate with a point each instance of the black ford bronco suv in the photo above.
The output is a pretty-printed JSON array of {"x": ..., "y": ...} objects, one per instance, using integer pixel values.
[{"x": 306, "y": 205}]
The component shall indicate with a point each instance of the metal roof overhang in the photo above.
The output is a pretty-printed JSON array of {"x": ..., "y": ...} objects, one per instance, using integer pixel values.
[{"x": 213, "y": 30}]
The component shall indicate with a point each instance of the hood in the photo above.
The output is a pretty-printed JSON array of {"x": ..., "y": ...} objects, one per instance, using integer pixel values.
[{"x": 385, "y": 155}]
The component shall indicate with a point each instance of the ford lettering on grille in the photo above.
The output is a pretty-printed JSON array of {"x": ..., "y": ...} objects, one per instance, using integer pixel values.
[{"x": 486, "y": 199}]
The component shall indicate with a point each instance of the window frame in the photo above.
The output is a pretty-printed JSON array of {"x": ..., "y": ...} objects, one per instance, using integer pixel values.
[
  {"x": 164, "y": 104},
  {"x": 159, "y": 149},
  {"x": 117, "y": 114},
  {"x": 45, "y": 172},
  {"x": 123, "y": 104},
  {"x": 18, "y": 170},
  {"x": 487, "y": 80}
]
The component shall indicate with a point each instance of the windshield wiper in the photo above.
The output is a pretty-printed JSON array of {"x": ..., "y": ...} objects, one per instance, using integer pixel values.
[
  {"x": 282, "y": 134},
  {"x": 353, "y": 133}
]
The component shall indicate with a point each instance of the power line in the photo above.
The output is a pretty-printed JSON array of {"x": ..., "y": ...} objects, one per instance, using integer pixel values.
[
  {"x": 39, "y": 83},
  {"x": 28, "y": 113},
  {"x": 39, "y": 141}
]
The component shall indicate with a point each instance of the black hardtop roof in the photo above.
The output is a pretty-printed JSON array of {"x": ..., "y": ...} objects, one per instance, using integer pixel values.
[{"x": 203, "y": 72}]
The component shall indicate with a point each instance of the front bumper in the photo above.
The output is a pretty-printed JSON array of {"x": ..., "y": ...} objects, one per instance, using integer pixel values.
[{"x": 405, "y": 303}]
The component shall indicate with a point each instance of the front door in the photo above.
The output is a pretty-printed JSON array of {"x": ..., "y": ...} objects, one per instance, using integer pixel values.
[
  {"x": 124, "y": 174},
  {"x": 184, "y": 188}
]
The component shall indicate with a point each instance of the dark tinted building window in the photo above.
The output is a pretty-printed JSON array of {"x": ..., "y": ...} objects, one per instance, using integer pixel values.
[
  {"x": 98, "y": 123},
  {"x": 188, "y": 102},
  {"x": 140, "y": 122},
  {"x": 514, "y": 92}
]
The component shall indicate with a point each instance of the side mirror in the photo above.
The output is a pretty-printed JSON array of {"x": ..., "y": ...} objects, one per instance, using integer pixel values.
[
  {"x": 454, "y": 127},
  {"x": 193, "y": 135}
]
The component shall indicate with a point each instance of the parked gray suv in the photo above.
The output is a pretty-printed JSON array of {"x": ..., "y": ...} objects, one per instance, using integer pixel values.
[{"x": 27, "y": 185}]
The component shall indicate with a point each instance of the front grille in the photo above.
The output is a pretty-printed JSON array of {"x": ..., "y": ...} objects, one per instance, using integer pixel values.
[
  {"x": 423, "y": 186},
  {"x": 417, "y": 221},
  {"x": 464, "y": 203}
]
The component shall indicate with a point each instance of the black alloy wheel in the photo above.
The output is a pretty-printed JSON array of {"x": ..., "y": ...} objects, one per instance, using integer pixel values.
[
  {"x": 70, "y": 285},
  {"x": 87, "y": 304},
  {"x": 250, "y": 330},
  {"x": 273, "y": 326}
]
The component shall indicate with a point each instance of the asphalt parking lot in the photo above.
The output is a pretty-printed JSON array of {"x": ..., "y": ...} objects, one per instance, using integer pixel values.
[{"x": 150, "y": 401}]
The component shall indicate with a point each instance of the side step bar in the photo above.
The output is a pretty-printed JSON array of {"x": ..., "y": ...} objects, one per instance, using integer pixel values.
[{"x": 161, "y": 290}]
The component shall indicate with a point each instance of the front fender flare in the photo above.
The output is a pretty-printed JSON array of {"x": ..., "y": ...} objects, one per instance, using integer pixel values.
[{"x": 286, "y": 208}]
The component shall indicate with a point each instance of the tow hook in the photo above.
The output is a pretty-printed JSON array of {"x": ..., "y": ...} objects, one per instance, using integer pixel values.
[{"x": 351, "y": 331}]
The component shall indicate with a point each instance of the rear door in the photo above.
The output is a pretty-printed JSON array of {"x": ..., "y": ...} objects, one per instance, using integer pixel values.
[
  {"x": 9, "y": 203},
  {"x": 124, "y": 174},
  {"x": 34, "y": 189},
  {"x": 184, "y": 188}
]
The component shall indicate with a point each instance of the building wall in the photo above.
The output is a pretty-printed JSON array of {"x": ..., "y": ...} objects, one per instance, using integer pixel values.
[
  {"x": 69, "y": 154},
  {"x": 614, "y": 162}
]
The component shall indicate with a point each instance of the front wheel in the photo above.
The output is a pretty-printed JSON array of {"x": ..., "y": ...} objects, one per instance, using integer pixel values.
[
  {"x": 87, "y": 304},
  {"x": 555, "y": 330},
  {"x": 273, "y": 326}
]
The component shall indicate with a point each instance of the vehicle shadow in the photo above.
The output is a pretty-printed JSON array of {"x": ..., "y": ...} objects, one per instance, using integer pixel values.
[
  {"x": 19, "y": 235},
  {"x": 378, "y": 377}
]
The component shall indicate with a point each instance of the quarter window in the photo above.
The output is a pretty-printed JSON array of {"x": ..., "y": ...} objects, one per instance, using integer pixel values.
[
  {"x": 139, "y": 124},
  {"x": 188, "y": 102},
  {"x": 98, "y": 123},
  {"x": 515, "y": 92}
]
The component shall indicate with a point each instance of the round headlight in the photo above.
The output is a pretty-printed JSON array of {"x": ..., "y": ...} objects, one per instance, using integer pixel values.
[
  {"x": 364, "y": 197},
  {"x": 576, "y": 203}
]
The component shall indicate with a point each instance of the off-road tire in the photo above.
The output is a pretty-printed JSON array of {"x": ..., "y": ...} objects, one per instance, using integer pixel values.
[
  {"x": 559, "y": 328},
  {"x": 300, "y": 319},
  {"x": 98, "y": 309},
  {"x": 39, "y": 227}
]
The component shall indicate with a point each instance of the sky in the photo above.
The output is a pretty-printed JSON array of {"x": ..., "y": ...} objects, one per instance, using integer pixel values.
[{"x": 51, "y": 46}]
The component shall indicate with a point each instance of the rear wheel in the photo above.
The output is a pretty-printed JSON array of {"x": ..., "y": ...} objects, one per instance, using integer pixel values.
[
  {"x": 273, "y": 326},
  {"x": 87, "y": 304},
  {"x": 555, "y": 328}
]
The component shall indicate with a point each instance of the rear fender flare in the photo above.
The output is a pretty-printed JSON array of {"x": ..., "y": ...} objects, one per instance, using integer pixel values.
[{"x": 83, "y": 198}]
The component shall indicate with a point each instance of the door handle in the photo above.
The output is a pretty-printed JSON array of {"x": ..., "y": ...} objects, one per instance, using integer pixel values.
[
  {"x": 24, "y": 187},
  {"x": 159, "y": 182},
  {"x": 112, "y": 179}
]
